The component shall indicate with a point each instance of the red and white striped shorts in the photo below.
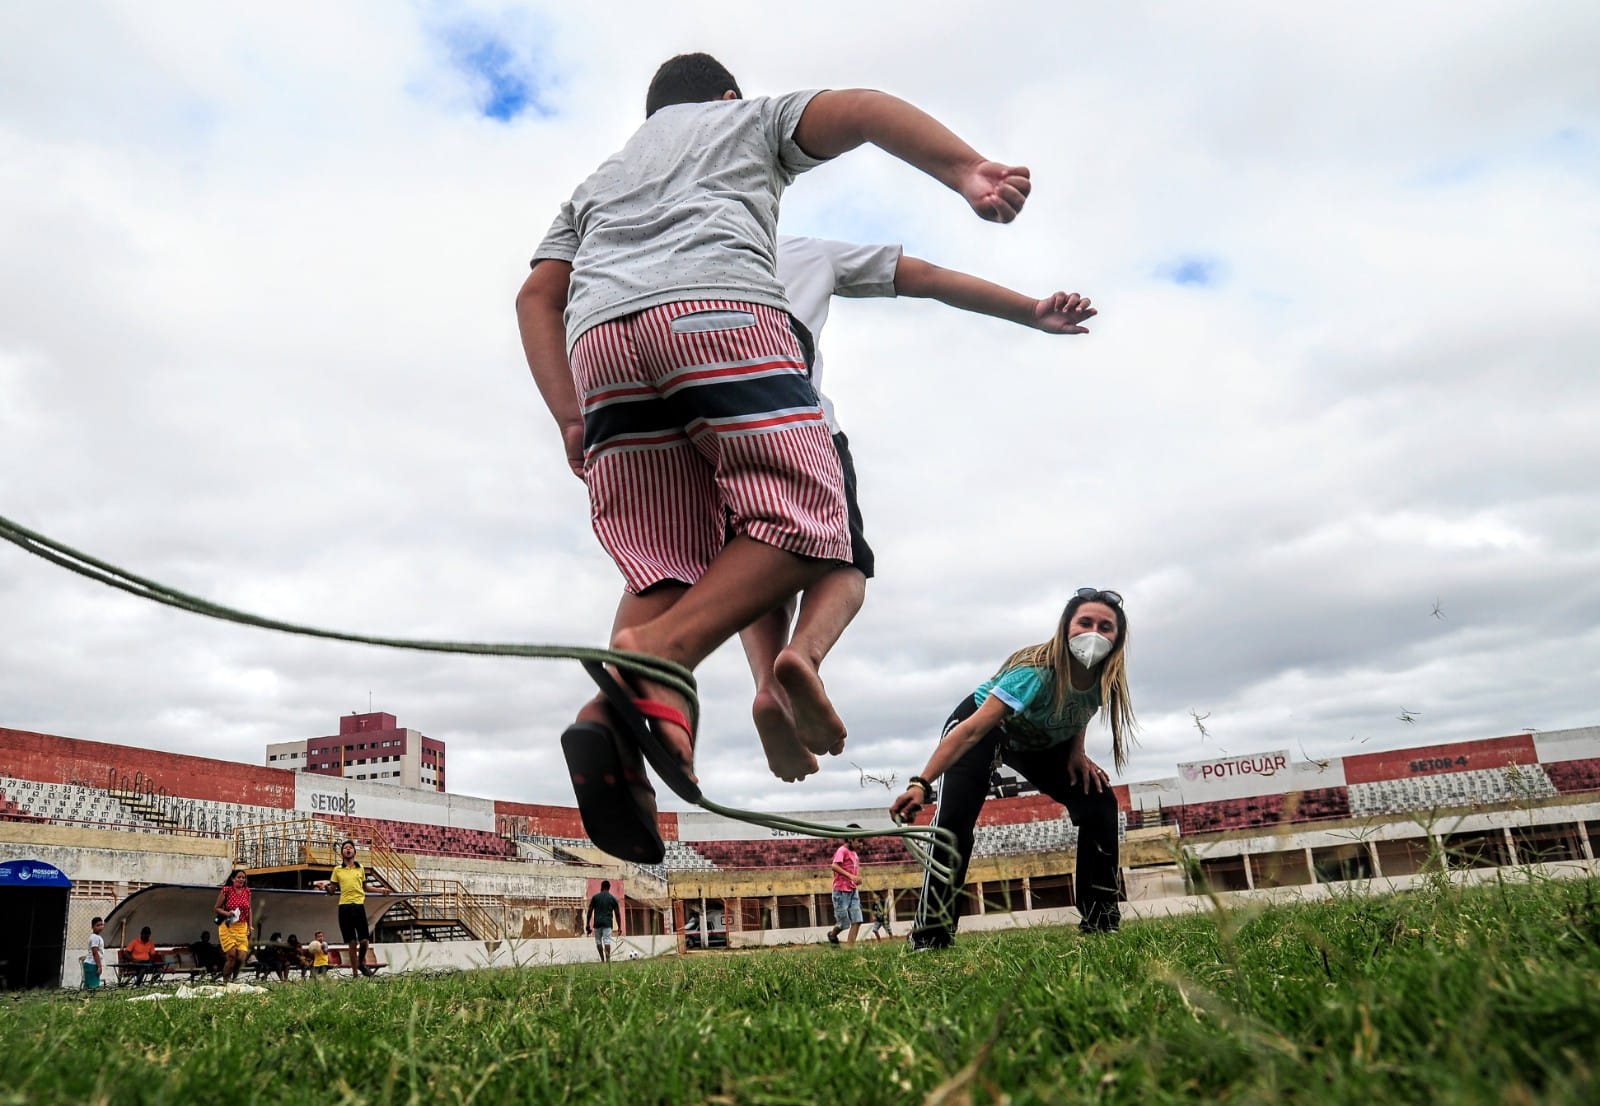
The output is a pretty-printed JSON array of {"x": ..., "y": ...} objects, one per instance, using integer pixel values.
[{"x": 697, "y": 417}]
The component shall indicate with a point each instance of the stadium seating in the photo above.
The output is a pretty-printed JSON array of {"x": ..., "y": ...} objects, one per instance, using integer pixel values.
[
  {"x": 11, "y": 812},
  {"x": 1017, "y": 838},
  {"x": 1223, "y": 815},
  {"x": 415, "y": 837},
  {"x": 79, "y": 804},
  {"x": 1483, "y": 786},
  {"x": 1569, "y": 776},
  {"x": 682, "y": 856},
  {"x": 69, "y": 802},
  {"x": 795, "y": 852}
]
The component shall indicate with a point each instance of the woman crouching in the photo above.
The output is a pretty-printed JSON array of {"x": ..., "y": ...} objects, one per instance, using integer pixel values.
[{"x": 1033, "y": 715}]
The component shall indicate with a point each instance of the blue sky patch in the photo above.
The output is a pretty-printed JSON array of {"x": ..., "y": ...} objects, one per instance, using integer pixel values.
[
  {"x": 1571, "y": 148},
  {"x": 508, "y": 81},
  {"x": 1201, "y": 272},
  {"x": 1448, "y": 174}
]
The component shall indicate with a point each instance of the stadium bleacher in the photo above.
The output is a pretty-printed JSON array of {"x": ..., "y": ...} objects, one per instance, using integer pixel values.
[
  {"x": 1017, "y": 838},
  {"x": 795, "y": 852},
  {"x": 68, "y": 802},
  {"x": 682, "y": 856},
  {"x": 1220, "y": 816},
  {"x": 1479, "y": 787},
  {"x": 415, "y": 837},
  {"x": 1573, "y": 776}
]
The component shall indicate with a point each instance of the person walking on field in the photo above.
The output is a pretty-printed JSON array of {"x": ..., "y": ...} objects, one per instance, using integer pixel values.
[
  {"x": 1033, "y": 715},
  {"x": 233, "y": 923},
  {"x": 846, "y": 889},
  {"x": 95, "y": 962},
  {"x": 350, "y": 880},
  {"x": 880, "y": 917},
  {"x": 600, "y": 916}
]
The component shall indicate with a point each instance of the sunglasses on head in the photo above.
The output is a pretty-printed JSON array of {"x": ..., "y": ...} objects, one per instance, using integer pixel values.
[{"x": 1098, "y": 596}]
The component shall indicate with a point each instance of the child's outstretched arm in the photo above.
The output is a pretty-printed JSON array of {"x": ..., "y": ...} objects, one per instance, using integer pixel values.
[
  {"x": 837, "y": 121},
  {"x": 1061, "y": 313},
  {"x": 540, "y": 305}
]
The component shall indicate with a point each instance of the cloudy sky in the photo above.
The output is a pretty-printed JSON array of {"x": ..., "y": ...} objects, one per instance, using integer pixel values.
[{"x": 1334, "y": 435}]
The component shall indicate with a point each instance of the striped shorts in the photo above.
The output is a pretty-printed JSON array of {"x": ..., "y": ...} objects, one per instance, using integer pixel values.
[{"x": 699, "y": 417}]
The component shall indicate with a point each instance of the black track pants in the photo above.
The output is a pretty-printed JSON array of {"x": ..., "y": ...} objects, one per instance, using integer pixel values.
[{"x": 966, "y": 783}]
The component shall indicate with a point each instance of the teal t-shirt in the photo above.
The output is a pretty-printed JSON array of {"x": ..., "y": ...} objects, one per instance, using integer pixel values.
[{"x": 1030, "y": 693}]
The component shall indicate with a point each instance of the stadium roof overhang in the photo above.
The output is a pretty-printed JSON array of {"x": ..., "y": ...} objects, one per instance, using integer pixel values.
[
  {"x": 178, "y": 913},
  {"x": 32, "y": 873}
]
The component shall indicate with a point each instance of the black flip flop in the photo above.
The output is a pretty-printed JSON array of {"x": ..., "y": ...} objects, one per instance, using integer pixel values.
[
  {"x": 615, "y": 799},
  {"x": 625, "y": 704}
]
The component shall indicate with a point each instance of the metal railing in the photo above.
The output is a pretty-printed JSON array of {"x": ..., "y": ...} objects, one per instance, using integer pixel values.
[{"x": 315, "y": 842}]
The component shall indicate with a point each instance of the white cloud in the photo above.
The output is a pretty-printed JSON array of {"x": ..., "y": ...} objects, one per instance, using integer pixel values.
[{"x": 256, "y": 271}]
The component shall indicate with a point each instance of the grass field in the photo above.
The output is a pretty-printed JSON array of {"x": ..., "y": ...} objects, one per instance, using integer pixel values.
[{"x": 1450, "y": 995}]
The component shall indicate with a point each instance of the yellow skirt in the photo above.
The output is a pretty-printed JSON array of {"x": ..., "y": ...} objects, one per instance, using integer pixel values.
[{"x": 234, "y": 937}]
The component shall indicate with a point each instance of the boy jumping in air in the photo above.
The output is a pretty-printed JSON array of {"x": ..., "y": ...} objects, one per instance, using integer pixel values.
[
  {"x": 790, "y": 711},
  {"x": 658, "y": 334}
]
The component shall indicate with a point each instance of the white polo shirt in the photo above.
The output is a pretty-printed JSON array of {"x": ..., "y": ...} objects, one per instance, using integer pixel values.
[{"x": 814, "y": 270}]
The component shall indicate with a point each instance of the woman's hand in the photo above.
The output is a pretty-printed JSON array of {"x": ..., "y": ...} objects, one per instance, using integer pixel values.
[
  {"x": 910, "y": 802},
  {"x": 1082, "y": 770}
]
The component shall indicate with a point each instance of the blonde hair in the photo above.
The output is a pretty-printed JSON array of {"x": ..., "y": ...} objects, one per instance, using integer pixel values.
[{"x": 1114, "y": 694}]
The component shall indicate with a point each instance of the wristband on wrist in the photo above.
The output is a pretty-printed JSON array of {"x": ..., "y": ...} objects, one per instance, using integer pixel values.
[{"x": 928, "y": 793}]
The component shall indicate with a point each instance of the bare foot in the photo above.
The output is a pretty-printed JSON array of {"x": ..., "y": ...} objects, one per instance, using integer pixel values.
[
  {"x": 817, "y": 724},
  {"x": 789, "y": 760},
  {"x": 678, "y": 741}
]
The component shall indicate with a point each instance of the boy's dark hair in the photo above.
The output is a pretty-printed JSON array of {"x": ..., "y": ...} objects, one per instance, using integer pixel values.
[
  {"x": 95, "y": 921},
  {"x": 605, "y": 885},
  {"x": 688, "y": 79}
]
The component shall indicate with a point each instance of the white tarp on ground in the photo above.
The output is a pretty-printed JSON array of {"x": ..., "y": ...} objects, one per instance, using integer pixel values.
[{"x": 204, "y": 990}]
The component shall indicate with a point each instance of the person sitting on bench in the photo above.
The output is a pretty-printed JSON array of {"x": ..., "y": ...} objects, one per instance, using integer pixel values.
[{"x": 139, "y": 959}]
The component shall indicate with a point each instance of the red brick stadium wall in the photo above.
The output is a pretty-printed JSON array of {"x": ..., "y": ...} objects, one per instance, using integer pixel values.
[
  {"x": 1032, "y": 808},
  {"x": 1433, "y": 760},
  {"x": 50, "y": 759}
]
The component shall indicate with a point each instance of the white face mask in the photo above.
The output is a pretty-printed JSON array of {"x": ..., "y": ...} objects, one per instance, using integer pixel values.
[{"x": 1090, "y": 649}]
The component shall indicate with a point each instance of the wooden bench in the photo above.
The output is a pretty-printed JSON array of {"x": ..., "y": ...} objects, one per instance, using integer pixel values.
[
  {"x": 336, "y": 960},
  {"x": 170, "y": 962}
]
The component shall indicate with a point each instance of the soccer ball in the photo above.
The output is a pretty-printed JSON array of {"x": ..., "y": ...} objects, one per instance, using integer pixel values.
[{"x": 633, "y": 954}]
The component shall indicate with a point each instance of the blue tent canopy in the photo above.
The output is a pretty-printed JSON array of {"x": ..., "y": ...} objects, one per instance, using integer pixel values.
[{"x": 31, "y": 873}]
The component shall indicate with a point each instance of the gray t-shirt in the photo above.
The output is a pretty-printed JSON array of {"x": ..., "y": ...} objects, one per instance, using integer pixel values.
[
  {"x": 687, "y": 210},
  {"x": 814, "y": 270}
]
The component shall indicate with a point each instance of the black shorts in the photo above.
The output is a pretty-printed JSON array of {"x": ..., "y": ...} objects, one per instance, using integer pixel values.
[
  {"x": 353, "y": 923},
  {"x": 860, "y": 552}
]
